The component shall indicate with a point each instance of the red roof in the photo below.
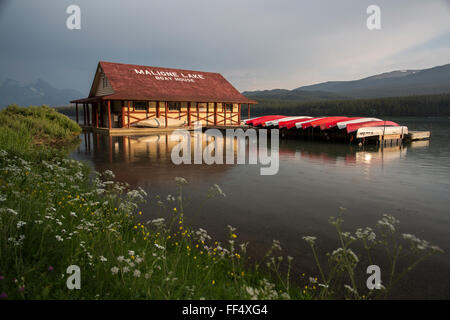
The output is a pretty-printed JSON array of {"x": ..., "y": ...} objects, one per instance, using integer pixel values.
[{"x": 135, "y": 82}]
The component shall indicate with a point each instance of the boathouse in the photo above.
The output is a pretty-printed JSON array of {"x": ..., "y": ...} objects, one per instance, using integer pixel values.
[{"x": 122, "y": 95}]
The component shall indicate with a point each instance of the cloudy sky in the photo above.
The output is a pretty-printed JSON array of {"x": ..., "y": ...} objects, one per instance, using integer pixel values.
[{"x": 256, "y": 44}]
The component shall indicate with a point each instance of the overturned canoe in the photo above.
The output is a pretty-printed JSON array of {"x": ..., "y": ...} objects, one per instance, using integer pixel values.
[
  {"x": 261, "y": 122},
  {"x": 343, "y": 124},
  {"x": 318, "y": 122},
  {"x": 299, "y": 125},
  {"x": 288, "y": 123},
  {"x": 355, "y": 126},
  {"x": 277, "y": 121},
  {"x": 333, "y": 123},
  {"x": 160, "y": 123}
]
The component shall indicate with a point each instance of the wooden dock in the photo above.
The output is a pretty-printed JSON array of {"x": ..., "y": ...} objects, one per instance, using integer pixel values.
[
  {"x": 147, "y": 131},
  {"x": 418, "y": 135}
]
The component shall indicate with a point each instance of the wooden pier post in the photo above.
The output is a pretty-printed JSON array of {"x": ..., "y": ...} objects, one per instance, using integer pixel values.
[
  {"x": 165, "y": 113},
  {"x": 198, "y": 112},
  {"x": 248, "y": 107},
  {"x": 76, "y": 111},
  {"x": 189, "y": 113},
  {"x": 109, "y": 114},
  {"x": 215, "y": 113},
  {"x": 96, "y": 114},
  {"x": 128, "y": 113},
  {"x": 84, "y": 113},
  {"x": 224, "y": 106},
  {"x": 239, "y": 113}
]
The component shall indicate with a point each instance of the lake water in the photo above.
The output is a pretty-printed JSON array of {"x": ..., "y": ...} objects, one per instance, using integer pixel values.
[{"x": 411, "y": 182}]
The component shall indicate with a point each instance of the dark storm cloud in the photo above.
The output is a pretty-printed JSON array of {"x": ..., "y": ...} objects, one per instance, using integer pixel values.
[{"x": 254, "y": 43}]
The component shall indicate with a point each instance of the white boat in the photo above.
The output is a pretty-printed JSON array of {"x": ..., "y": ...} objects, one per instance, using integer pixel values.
[
  {"x": 380, "y": 131},
  {"x": 275, "y": 122},
  {"x": 160, "y": 123},
  {"x": 343, "y": 124}
]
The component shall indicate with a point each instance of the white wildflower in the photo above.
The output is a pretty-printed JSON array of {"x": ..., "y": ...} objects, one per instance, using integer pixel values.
[
  {"x": 136, "y": 273},
  {"x": 114, "y": 270}
]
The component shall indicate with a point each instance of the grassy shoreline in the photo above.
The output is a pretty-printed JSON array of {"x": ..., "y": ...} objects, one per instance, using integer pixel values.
[{"x": 53, "y": 216}]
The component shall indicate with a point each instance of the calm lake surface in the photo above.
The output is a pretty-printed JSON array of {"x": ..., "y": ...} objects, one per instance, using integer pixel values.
[{"x": 411, "y": 182}]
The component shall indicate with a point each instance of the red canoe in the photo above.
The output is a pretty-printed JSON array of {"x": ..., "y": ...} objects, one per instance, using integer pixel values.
[
  {"x": 333, "y": 123},
  {"x": 251, "y": 121},
  {"x": 355, "y": 126},
  {"x": 292, "y": 124},
  {"x": 318, "y": 122},
  {"x": 262, "y": 120},
  {"x": 283, "y": 124},
  {"x": 274, "y": 118}
]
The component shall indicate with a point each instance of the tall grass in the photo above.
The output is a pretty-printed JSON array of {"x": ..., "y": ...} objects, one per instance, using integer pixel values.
[{"x": 53, "y": 216}]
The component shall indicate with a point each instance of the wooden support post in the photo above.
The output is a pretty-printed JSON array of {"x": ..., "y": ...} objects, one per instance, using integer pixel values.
[
  {"x": 224, "y": 107},
  {"x": 157, "y": 109},
  {"x": 76, "y": 111},
  {"x": 102, "y": 122},
  {"x": 215, "y": 113},
  {"x": 248, "y": 106},
  {"x": 93, "y": 114},
  {"x": 189, "y": 113},
  {"x": 84, "y": 113},
  {"x": 239, "y": 113},
  {"x": 207, "y": 114},
  {"x": 88, "y": 115},
  {"x": 198, "y": 112},
  {"x": 96, "y": 114},
  {"x": 129, "y": 103},
  {"x": 109, "y": 114},
  {"x": 122, "y": 109},
  {"x": 165, "y": 113}
]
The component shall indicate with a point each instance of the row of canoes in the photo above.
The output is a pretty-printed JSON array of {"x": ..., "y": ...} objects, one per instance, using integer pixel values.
[{"x": 360, "y": 126}]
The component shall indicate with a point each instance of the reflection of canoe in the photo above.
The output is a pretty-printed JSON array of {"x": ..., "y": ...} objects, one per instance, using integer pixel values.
[
  {"x": 149, "y": 139},
  {"x": 379, "y": 131},
  {"x": 160, "y": 122}
]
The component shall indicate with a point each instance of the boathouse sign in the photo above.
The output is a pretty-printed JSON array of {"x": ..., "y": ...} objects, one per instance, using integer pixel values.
[{"x": 171, "y": 75}]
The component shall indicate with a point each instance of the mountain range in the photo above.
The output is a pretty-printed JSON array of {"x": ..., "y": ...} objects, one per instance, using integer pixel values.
[
  {"x": 37, "y": 92},
  {"x": 396, "y": 83}
]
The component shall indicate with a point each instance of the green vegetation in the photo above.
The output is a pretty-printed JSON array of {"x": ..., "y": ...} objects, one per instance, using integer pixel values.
[
  {"x": 22, "y": 129},
  {"x": 424, "y": 105},
  {"x": 53, "y": 215},
  {"x": 403, "y": 252}
]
